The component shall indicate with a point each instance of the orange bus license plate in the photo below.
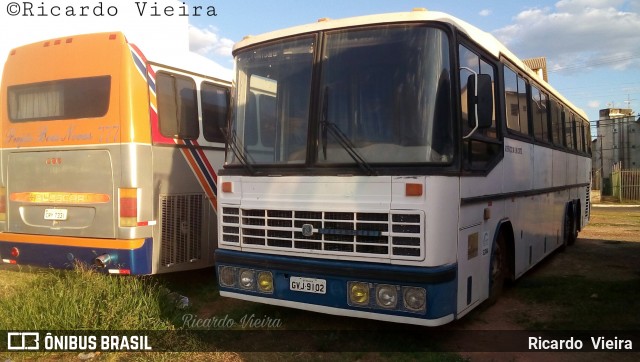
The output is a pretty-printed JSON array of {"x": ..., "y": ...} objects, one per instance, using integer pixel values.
[{"x": 55, "y": 214}]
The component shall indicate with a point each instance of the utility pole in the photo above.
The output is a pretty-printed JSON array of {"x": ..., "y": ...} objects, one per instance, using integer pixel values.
[{"x": 601, "y": 163}]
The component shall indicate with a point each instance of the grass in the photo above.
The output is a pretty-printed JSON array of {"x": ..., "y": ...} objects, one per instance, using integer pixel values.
[
  {"x": 82, "y": 299},
  {"x": 580, "y": 303}
]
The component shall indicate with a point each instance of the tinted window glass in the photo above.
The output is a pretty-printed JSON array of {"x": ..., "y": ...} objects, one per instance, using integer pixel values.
[
  {"x": 61, "y": 99},
  {"x": 177, "y": 106},
  {"x": 215, "y": 104}
]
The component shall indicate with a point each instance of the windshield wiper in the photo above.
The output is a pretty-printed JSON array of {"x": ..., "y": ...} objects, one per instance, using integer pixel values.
[
  {"x": 342, "y": 139},
  {"x": 232, "y": 141}
]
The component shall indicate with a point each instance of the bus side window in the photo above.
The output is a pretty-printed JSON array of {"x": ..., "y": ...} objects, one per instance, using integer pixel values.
[
  {"x": 556, "y": 123},
  {"x": 215, "y": 107},
  {"x": 177, "y": 106},
  {"x": 569, "y": 130},
  {"x": 515, "y": 88},
  {"x": 483, "y": 147},
  {"x": 539, "y": 114}
]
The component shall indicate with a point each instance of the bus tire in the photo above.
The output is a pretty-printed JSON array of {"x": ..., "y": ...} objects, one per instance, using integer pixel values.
[
  {"x": 570, "y": 226},
  {"x": 498, "y": 269}
]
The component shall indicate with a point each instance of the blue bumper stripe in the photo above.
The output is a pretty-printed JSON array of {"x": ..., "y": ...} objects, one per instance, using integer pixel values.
[
  {"x": 138, "y": 261},
  {"x": 440, "y": 282}
]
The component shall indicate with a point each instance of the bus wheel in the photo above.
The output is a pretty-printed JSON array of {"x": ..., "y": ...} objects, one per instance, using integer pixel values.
[
  {"x": 498, "y": 269},
  {"x": 570, "y": 230}
]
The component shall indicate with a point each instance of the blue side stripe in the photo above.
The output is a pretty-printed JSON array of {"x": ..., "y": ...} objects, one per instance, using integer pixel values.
[{"x": 203, "y": 168}]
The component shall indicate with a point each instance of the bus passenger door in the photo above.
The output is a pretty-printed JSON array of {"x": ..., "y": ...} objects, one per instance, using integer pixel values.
[
  {"x": 474, "y": 255},
  {"x": 481, "y": 177}
]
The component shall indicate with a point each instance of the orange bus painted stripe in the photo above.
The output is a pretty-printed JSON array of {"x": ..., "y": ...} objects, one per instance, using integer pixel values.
[
  {"x": 119, "y": 244},
  {"x": 60, "y": 197}
]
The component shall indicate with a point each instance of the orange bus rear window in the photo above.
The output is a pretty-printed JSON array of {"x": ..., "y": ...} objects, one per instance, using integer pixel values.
[{"x": 60, "y": 99}]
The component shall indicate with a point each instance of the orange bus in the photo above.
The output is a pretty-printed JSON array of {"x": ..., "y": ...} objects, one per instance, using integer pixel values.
[{"x": 109, "y": 158}]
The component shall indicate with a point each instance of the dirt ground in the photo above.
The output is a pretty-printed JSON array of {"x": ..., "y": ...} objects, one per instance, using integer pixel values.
[{"x": 607, "y": 249}]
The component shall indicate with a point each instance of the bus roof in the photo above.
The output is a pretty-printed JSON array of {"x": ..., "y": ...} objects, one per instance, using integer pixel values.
[
  {"x": 486, "y": 40},
  {"x": 171, "y": 58}
]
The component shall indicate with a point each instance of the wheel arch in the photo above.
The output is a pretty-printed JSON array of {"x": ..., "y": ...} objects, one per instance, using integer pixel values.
[{"x": 506, "y": 228}]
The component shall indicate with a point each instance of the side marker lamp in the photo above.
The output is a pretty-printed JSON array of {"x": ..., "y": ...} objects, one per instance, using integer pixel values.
[{"x": 413, "y": 189}]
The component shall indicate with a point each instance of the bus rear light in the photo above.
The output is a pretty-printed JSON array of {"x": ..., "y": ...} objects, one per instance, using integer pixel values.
[
  {"x": 68, "y": 40},
  {"x": 120, "y": 271},
  {"x": 57, "y": 42},
  {"x": 3, "y": 204},
  {"x": 15, "y": 252},
  {"x": 128, "y": 207},
  {"x": 413, "y": 190},
  {"x": 60, "y": 197},
  {"x": 13, "y": 52},
  {"x": 113, "y": 36}
]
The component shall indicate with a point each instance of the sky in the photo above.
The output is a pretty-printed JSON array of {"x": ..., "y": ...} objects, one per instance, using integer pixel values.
[{"x": 592, "y": 46}]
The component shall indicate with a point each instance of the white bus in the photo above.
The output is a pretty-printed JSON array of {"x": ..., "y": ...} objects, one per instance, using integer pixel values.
[{"x": 397, "y": 167}]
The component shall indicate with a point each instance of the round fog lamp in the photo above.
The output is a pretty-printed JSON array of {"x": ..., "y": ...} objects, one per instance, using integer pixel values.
[
  {"x": 265, "y": 282},
  {"x": 386, "y": 296},
  {"x": 227, "y": 276},
  {"x": 247, "y": 278},
  {"x": 359, "y": 293},
  {"x": 414, "y": 298}
]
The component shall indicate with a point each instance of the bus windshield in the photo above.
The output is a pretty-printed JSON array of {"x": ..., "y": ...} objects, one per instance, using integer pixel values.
[{"x": 383, "y": 97}]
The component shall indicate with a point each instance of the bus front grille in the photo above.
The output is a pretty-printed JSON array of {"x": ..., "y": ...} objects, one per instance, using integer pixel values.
[
  {"x": 181, "y": 228},
  {"x": 395, "y": 235}
]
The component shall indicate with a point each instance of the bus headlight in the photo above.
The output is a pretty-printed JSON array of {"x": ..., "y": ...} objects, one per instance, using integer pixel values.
[
  {"x": 358, "y": 293},
  {"x": 247, "y": 278},
  {"x": 415, "y": 299},
  {"x": 386, "y": 295},
  {"x": 265, "y": 282},
  {"x": 227, "y": 276}
]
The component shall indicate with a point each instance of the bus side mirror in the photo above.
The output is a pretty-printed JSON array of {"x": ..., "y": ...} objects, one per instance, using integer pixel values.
[{"x": 482, "y": 102}]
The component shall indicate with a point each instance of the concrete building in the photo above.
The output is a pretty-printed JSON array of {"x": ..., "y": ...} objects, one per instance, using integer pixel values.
[{"x": 617, "y": 142}]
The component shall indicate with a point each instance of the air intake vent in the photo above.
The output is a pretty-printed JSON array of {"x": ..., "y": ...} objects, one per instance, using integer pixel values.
[{"x": 181, "y": 228}]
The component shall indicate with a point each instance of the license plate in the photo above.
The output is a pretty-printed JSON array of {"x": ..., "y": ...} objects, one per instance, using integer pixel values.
[
  {"x": 55, "y": 214},
  {"x": 308, "y": 285}
]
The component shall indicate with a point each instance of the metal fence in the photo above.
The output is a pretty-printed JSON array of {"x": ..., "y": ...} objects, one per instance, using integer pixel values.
[{"x": 626, "y": 184}]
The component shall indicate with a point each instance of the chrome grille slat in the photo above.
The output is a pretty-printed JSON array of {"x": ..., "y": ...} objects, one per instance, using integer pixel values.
[{"x": 395, "y": 234}]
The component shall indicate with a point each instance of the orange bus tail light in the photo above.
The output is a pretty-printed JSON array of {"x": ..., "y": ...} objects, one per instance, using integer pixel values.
[
  {"x": 128, "y": 207},
  {"x": 46, "y": 197},
  {"x": 3, "y": 204}
]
